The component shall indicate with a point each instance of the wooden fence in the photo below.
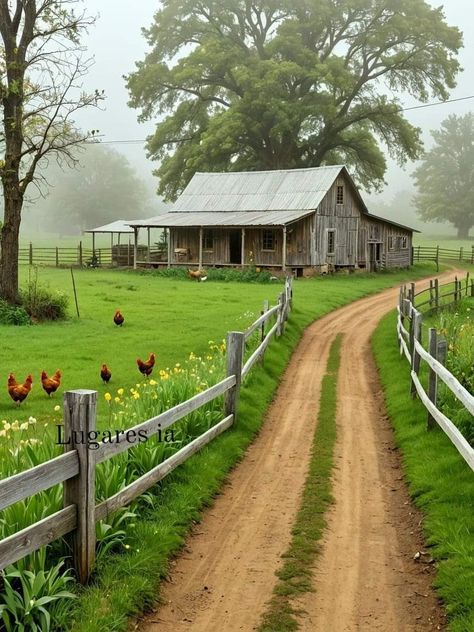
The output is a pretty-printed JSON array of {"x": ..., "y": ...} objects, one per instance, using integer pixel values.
[
  {"x": 410, "y": 340},
  {"x": 75, "y": 469},
  {"x": 75, "y": 256},
  {"x": 436, "y": 254}
]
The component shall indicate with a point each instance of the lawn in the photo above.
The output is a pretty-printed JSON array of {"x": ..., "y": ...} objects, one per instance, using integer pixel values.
[{"x": 451, "y": 242}]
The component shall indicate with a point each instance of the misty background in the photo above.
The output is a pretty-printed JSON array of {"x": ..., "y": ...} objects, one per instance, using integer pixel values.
[{"x": 116, "y": 43}]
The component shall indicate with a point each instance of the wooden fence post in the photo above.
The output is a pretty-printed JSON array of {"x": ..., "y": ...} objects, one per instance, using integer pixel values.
[
  {"x": 432, "y": 377},
  {"x": 280, "y": 314},
  {"x": 412, "y": 294},
  {"x": 461, "y": 252},
  {"x": 436, "y": 287},
  {"x": 80, "y": 253},
  {"x": 264, "y": 310},
  {"x": 472, "y": 254},
  {"x": 235, "y": 353},
  {"x": 57, "y": 257},
  {"x": 79, "y": 421},
  {"x": 472, "y": 287},
  {"x": 455, "y": 289},
  {"x": 30, "y": 257},
  {"x": 415, "y": 332}
]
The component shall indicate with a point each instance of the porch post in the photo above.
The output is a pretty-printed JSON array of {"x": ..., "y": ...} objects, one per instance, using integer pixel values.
[
  {"x": 242, "y": 256},
  {"x": 149, "y": 244},
  {"x": 200, "y": 247},
  {"x": 135, "y": 246},
  {"x": 169, "y": 246},
  {"x": 118, "y": 241},
  {"x": 283, "y": 267}
]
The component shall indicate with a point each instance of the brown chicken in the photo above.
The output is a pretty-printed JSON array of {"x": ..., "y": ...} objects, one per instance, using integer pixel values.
[
  {"x": 19, "y": 392},
  {"x": 118, "y": 318},
  {"x": 146, "y": 367},
  {"x": 51, "y": 384},
  {"x": 105, "y": 374},
  {"x": 198, "y": 275}
]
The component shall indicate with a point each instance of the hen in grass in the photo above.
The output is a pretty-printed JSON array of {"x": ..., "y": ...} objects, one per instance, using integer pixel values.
[
  {"x": 146, "y": 368},
  {"x": 118, "y": 318},
  {"x": 51, "y": 384},
  {"x": 105, "y": 374},
  {"x": 19, "y": 392}
]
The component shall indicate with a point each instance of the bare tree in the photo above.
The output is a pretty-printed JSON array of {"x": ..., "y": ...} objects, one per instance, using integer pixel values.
[{"x": 42, "y": 66}]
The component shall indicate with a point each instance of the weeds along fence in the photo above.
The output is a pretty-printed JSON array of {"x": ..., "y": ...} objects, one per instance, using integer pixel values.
[
  {"x": 410, "y": 341},
  {"x": 76, "y": 468},
  {"x": 437, "y": 254}
]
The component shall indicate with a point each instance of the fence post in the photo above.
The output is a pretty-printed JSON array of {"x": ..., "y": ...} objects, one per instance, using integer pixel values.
[
  {"x": 436, "y": 287},
  {"x": 264, "y": 310},
  {"x": 431, "y": 293},
  {"x": 432, "y": 377},
  {"x": 472, "y": 287},
  {"x": 30, "y": 257},
  {"x": 412, "y": 294},
  {"x": 79, "y": 420},
  {"x": 467, "y": 284},
  {"x": 472, "y": 254},
  {"x": 57, "y": 257},
  {"x": 455, "y": 289},
  {"x": 280, "y": 314},
  {"x": 461, "y": 251},
  {"x": 235, "y": 354},
  {"x": 415, "y": 357},
  {"x": 80, "y": 253}
]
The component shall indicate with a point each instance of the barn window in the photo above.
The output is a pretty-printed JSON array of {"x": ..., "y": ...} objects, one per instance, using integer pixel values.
[
  {"x": 392, "y": 242},
  {"x": 404, "y": 242},
  {"x": 340, "y": 194},
  {"x": 208, "y": 240},
  {"x": 331, "y": 242},
  {"x": 268, "y": 240}
]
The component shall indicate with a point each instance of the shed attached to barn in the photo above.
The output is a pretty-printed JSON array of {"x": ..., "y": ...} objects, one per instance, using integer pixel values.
[{"x": 299, "y": 219}]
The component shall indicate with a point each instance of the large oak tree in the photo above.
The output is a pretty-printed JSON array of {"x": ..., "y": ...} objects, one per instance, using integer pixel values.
[
  {"x": 245, "y": 84},
  {"x": 41, "y": 71},
  {"x": 445, "y": 178}
]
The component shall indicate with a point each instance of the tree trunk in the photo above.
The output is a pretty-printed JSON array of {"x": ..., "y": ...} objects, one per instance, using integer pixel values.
[
  {"x": 463, "y": 231},
  {"x": 9, "y": 249}
]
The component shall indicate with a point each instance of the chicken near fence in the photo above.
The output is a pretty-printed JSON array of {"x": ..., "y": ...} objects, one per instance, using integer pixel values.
[
  {"x": 146, "y": 368},
  {"x": 51, "y": 384},
  {"x": 19, "y": 392}
]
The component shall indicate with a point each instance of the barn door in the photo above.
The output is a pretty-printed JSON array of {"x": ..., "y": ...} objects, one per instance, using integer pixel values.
[{"x": 352, "y": 247}]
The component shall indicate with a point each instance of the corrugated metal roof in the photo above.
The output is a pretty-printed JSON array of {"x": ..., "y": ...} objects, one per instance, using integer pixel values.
[
  {"x": 219, "y": 218},
  {"x": 120, "y": 226},
  {"x": 281, "y": 190}
]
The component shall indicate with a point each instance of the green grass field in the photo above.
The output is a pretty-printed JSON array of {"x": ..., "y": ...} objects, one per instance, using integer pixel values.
[{"x": 420, "y": 239}]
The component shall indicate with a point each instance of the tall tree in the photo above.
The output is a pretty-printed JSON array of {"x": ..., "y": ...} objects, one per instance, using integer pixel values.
[
  {"x": 247, "y": 84},
  {"x": 102, "y": 188},
  {"x": 445, "y": 178},
  {"x": 41, "y": 68}
]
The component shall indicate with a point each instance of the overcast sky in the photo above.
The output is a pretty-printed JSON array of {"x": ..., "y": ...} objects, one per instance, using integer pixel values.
[{"x": 117, "y": 43}]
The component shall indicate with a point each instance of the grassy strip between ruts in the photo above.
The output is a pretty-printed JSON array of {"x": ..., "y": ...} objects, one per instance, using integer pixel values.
[
  {"x": 124, "y": 585},
  {"x": 296, "y": 575},
  {"x": 440, "y": 482}
]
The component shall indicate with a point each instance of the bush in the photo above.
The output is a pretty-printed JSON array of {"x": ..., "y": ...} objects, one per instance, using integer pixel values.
[
  {"x": 13, "y": 314},
  {"x": 41, "y": 303},
  {"x": 248, "y": 275}
]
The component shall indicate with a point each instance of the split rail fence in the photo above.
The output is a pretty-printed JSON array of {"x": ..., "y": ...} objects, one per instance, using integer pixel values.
[
  {"x": 76, "y": 468},
  {"x": 410, "y": 341},
  {"x": 437, "y": 254}
]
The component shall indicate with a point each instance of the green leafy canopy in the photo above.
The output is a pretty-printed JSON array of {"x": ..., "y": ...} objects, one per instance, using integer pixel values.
[
  {"x": 246, "y": 85},
  {"x": 445, "y": 179}
]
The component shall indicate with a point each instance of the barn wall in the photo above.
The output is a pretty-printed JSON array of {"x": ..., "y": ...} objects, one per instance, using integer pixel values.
[{"x": 380, "y": 232}]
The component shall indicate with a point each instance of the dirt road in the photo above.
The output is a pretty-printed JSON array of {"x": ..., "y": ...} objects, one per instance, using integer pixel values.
[{"x": 366, "y": 578}]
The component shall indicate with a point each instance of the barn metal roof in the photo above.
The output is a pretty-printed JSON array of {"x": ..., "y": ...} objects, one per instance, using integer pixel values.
[
  {"x": 220, "y": 218},
  {"x": 280, "y": 190}
]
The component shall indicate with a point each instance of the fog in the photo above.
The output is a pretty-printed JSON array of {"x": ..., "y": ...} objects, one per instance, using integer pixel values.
[{"x": 116, "y": 43}]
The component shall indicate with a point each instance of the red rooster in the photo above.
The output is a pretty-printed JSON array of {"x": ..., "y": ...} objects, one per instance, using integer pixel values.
[
  {"x": 146, "y": 368},
  {"x": 118, "y": 318},
  {"x": 105, "y": 374}
]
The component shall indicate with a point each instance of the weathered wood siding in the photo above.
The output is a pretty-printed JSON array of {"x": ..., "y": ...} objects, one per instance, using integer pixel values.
[{"x": 378, "y": 231}]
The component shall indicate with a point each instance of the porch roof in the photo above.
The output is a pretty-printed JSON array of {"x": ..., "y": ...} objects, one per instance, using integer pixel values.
[{"x": 227, "y": 219}]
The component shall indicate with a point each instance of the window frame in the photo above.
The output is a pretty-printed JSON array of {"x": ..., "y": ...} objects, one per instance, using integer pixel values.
[
  {"x": 331, "y": 231},
  {"x": 392, "y": 241},
  {"x": 340, "y": 194},
  {"x": 404, "y": 242},
  {"x": 265, "y": 233},
  {"x": 207, "y": 234}
]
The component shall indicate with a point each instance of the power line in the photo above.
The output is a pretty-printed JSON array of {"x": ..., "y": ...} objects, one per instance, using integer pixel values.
[{"x": 413, "y": 107}]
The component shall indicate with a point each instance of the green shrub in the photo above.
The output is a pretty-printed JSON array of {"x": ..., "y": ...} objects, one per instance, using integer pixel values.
[
  {"x": 41, "y": 303},
  {"x": 248, "y": 275},
  {"x": 13, "y": 314}
]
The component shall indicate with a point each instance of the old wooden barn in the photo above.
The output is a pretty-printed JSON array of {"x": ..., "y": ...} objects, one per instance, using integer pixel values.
[{"x": 300, "y": 219}]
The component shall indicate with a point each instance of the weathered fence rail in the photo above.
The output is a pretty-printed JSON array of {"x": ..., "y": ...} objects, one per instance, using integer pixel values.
[
  {"x": 437, "y": 254},
  {"x": 410, "y": 341},
  {"x": 76, "y": 468},
  {"x": 74, "y": 256}
]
